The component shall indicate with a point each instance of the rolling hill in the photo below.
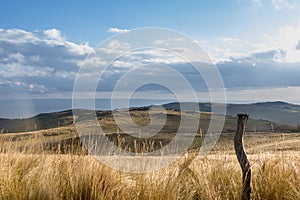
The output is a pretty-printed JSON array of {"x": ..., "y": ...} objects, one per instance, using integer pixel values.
[
  {"x": 280, "y": 112},
  {"x": 264, "y": 117}
]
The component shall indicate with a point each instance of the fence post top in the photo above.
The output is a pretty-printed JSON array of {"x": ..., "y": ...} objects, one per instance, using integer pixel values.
[{"x": 243, "y": 116}]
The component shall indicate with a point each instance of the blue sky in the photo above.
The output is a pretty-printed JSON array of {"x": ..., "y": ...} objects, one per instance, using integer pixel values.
[
  {"x": 254, "y": 43},
  {"x": 89, "y": 21}
]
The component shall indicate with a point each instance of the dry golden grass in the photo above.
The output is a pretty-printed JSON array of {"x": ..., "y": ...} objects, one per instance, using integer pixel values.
[
  {"x": 261, "y": 143},
  {"x": 26, "y": 174}
]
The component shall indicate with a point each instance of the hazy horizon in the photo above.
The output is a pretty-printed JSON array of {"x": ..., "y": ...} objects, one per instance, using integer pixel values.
[{"x": 24, "y": 108}]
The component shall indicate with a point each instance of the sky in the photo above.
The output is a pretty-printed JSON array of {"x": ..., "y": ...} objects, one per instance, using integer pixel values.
[{"x": 255, "y": 44}]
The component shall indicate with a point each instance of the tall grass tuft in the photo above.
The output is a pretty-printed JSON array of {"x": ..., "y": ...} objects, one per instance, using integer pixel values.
[{"x": 31, "y": 176}]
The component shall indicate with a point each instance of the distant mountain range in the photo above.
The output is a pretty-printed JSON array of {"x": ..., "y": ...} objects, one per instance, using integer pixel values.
[
  {"x": 281, "y": 112},
  {"x": 280, "y": 115}
]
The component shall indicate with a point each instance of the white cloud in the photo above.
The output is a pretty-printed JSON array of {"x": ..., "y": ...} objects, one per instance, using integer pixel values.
[
  {"x": 43, "y": 60},
  {"x": 35, "y": 58},
  {"x": 93, "y": 62},
  {"x": 266, "y": 57},
  {"x": 15, "y": 57},
  {"x": 37, "y": 88},
  {"x": 17, "y": 35},
  {"x": 155, "y": 56},
  {"x": 20, "y": 86},
  {"x": 116, "y": 44},
  {"x": 114, "y": 48},
  {"x": 19, "y": 70},
  {"x": 117, "y": 30},
  {"x": 123, "y": 64},
  {"x": 286, "y": 39},
  {"x": 53, "y": 34},
  {"x": 283, "y": 5},
  {"x": 79, "y": 49},
  {"x": 65, "y": 74}
]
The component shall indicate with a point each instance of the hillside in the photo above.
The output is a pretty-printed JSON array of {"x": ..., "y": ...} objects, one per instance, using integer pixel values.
[
  {"x": 280, "y": 112},
  {"x": 141, "y": 117},
  {"x": 38, "y": 122},
  {"x": 65, "y": 139}
]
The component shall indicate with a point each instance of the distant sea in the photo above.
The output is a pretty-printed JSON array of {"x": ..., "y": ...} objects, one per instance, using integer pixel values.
[{"x": 23, "y": 108}]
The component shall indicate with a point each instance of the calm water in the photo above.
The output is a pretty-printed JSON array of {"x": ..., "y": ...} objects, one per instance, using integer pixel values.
[{"x": 27, "y": 108}]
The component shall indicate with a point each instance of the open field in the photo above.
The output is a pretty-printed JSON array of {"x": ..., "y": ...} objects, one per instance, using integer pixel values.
[
  {"x": 63, "y": 170},
  {"x": 29, "y": 176},
  {"x": 141, "y": 117},
  {"x": 54, "y": 163},
  {"x": 65, "y": 140}
]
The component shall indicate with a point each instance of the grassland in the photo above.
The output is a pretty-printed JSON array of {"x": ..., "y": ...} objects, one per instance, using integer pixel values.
[
  {"x": 45, "y": 173},
  {"x": 28, "y": 176},
  {"x": 54, "y": 164}
]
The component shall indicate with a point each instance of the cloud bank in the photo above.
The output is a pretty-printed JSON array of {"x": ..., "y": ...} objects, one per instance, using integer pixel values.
[
  {"x": 44, "y": 63},
  {"x": 39, "y": 61}
]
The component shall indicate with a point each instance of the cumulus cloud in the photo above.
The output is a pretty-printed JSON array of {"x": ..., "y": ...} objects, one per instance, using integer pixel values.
[
  {"x": 44, "y": 62},
  {"x": 268, "y": 56},
  {"x": 39, "y": 61},
  {"x": 114, "y": 47},
  {"x": 117, "y": 30},
  {"x": 17, "y": 35},
  {"x": 53, "y": 34},
  {"x": 258, "y": 70},
  {"x": 285, "y": 39}
]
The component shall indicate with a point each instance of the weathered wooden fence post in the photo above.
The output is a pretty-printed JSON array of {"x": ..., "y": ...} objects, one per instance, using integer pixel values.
[{"x": 242, "y": 156}]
